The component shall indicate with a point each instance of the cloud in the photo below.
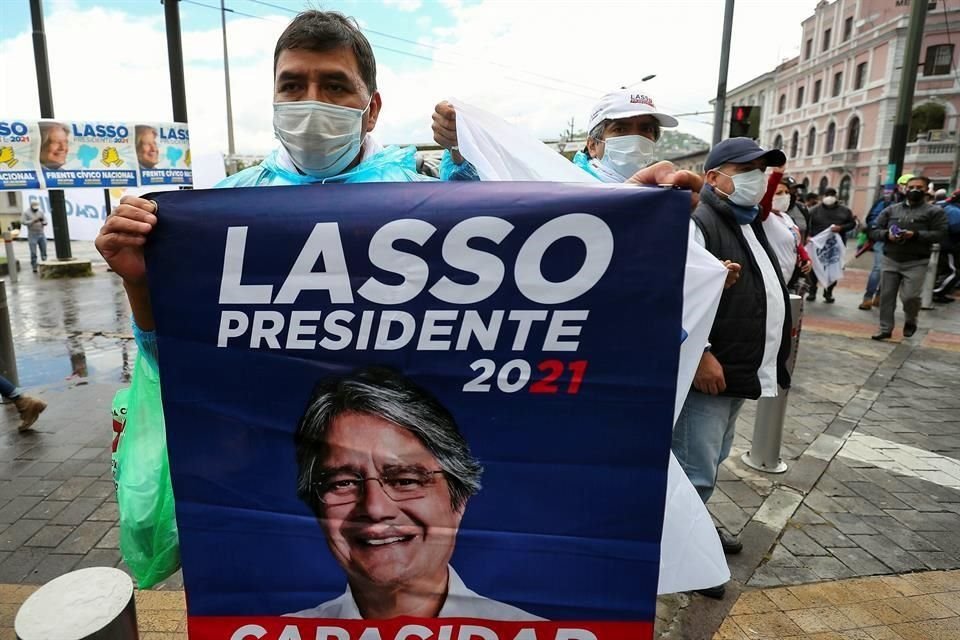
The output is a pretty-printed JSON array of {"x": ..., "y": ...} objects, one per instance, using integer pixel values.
[
  {"x": 533, "y": 67},
  {"x": 403, "y": 5}
]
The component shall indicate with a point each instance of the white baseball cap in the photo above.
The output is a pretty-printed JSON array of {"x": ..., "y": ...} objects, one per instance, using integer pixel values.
[{"x": 627, "y": 103}]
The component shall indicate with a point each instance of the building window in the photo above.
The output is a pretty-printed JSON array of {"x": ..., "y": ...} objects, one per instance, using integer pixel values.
[
  {"x": 795, "y": 144},
  {"x": 782, "y": 105},
  {"x": 853, "y": 134},
  {"x": 831, "y": 137},
  {"x": 778, "y": 142},
  {"x": 817, "y": 86},
  {"x": 939, "y": 60},
  {"x": 811, "y": 141},
  {"x": 847, "y": 28},
  {"x": 11, "y": 198},
  {"x": 826, "y": 39},
  {"x": 800, "y": 92},
  {"x": 837, "y": 83},
  {"x": 824, "y": 183},
  {"x": 808, "y": 49},
  {"x": 860, "y": 80},
  {"x": 843, "y": 193},
  {"x": 806, "y": 184}
]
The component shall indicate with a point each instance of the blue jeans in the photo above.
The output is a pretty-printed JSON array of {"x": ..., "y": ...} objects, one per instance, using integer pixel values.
[
  {"x": 703, "y": 436},
  {"x": 7, "y": 390},
  {"x": 873, "y": 280},
  {"x": 37, "y": 241}
]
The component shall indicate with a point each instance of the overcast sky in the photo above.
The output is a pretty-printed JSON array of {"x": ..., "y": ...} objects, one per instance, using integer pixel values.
[{"x": 536, "y": 63}]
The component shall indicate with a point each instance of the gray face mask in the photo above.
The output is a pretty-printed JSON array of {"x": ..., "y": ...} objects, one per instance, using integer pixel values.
[{"x": 322, "y": 139}]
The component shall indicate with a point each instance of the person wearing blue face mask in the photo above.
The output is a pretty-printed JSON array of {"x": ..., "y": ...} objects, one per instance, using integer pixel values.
[
  {"x": 750, "y": 338},
  {"x": 325, "y": 106}
]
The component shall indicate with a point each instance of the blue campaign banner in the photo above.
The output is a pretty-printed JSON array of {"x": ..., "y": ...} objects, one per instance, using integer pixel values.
[{"x": 419, "y": 410}]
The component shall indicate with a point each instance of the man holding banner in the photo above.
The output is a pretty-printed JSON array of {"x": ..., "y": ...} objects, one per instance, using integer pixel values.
[{"x": 749, "y": 341}]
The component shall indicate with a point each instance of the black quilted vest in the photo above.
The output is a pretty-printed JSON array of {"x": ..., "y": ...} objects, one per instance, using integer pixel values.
[{"x": 739, "y": 330}]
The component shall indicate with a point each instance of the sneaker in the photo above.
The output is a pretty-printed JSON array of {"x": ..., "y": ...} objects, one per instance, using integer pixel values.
[
  {"x": 716, "y": 593},
  {"x": 942, "y": 299},
  {"x": 909, "y": 329},
  {"x": 866, "y": 305},
  {"x": 876, "y": 301},
  {"x": 30, "y": 409},
  {"x": 883, "y": 335},
  {"x": 731, "y": 544},
  {"x": 828, "y": 298},
  {"x": 812, "y": 296}
]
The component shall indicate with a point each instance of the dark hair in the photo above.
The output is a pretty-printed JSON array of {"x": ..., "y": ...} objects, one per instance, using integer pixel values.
[
  {"x": 926, "y": 180},
  {"x": 388, "y": 394},
  {"x": 829, "y": 191},
  {"x": 325, "y": 31}
]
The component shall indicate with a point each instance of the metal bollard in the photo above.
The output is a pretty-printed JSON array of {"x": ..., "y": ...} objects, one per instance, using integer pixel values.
[
  {"x": 87, "y": 604},
  {"x": 8, "y": 357},
  {"x": 11, "y": 258},
  {"x": 764, "y": 454},
  {"x": 930, "y": 279}
]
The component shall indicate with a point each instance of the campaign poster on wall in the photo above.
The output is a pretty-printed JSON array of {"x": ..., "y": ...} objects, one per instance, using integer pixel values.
[
  {"x": 163, "y": 154},
  {"x": 86, "y": 154},
  {"x": 19, "y": 148},
  {"x": 411, "y": 411},
  {"x": 64, "y": 154}
]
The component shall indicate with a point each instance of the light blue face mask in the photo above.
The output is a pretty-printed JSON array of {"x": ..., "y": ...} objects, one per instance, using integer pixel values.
[
  {"x": 322, "y": 139},
  {"x": 748, "y": 188}
]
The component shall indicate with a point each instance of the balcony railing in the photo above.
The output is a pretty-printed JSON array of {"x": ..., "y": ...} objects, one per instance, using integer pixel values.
[{"x": 931, "y": 151}]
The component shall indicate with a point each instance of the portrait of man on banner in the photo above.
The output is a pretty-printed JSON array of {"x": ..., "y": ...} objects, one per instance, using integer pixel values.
[
  {"x": 54, "y": 144},
  {"x": 384, "y": 468}
]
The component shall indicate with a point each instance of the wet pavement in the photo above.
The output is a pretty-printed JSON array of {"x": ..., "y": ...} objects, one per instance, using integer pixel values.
[{"x": 70, "y": 331}]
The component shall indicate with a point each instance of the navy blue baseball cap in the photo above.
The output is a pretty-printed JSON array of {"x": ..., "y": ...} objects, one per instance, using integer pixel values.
[{"x": 739, "y": 150}]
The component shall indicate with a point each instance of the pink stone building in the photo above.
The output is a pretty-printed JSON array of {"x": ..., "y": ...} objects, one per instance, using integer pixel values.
[{"x": 832, "y": 108}]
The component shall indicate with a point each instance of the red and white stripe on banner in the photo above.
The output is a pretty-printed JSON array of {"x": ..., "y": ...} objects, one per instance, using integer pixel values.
[{"x": 279, "y": 628}]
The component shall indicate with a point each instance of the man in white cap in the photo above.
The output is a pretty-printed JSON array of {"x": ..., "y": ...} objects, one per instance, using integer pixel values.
[{"x": 624, "y": 128}]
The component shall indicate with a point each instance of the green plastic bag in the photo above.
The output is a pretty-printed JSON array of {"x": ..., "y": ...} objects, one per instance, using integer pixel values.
[{"x": 148, "y": 526}]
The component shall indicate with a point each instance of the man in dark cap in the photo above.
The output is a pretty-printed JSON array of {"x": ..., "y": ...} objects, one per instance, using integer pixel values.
[{"x": 749, "y": 341}]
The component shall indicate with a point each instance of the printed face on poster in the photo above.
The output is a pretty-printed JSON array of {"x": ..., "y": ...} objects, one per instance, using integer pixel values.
[{"x": 399, "y": 407}]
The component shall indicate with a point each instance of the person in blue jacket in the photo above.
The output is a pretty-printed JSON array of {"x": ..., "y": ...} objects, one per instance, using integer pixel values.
[{"x": 325, "y": 106}]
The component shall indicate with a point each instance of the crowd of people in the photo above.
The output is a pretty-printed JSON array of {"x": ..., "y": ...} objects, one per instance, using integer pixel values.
[{"x": 749, "y": 214}]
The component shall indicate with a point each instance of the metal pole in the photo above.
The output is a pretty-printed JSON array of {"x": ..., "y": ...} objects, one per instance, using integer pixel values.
[
  {"x": 8, "y": 357},
  {"x": 930, "y": 279},
  {"x": 226, "y": 79},
  {"x": 721, "y": 102},
  {"x": 11, "y": 258},
  {"x": 58, "y": 204},
  {"x": 178, "y": 91},
  {"x": 106, "y": 610},
  {"x": 764, "y": 454},
  {"x": 908, "y": 81}
]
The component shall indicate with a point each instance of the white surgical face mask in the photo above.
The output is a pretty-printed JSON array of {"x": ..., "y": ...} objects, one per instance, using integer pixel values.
[
  {"x": 627, "y": 154},
  {"x": 829, "y": 200},
  {"x": 322, "y": 139},
  {"x": 782, "y": 202},
  {"x": 748, "y": 188}
]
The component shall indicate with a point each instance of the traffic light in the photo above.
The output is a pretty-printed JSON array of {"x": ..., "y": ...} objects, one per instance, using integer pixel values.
[{"x": 745, "y": 122}]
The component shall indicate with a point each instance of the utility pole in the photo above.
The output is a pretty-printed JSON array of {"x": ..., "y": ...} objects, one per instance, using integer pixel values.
[
  {"x": 58, "y": 205},
  {"x": 171, "y": 12},
  {"x": 908, "y": 81},
  {"x": 721, "y": 102},
  {"x": 226, "y": 78}
]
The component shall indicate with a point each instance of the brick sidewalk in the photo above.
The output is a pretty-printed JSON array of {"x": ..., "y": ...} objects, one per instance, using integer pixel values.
[{"x": 920, "y": 606}]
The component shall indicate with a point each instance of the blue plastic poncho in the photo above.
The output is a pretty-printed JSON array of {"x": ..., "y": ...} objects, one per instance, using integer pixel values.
[
  {"x": 450, "y": 171},
  {"x": 389, "y": 164}
]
